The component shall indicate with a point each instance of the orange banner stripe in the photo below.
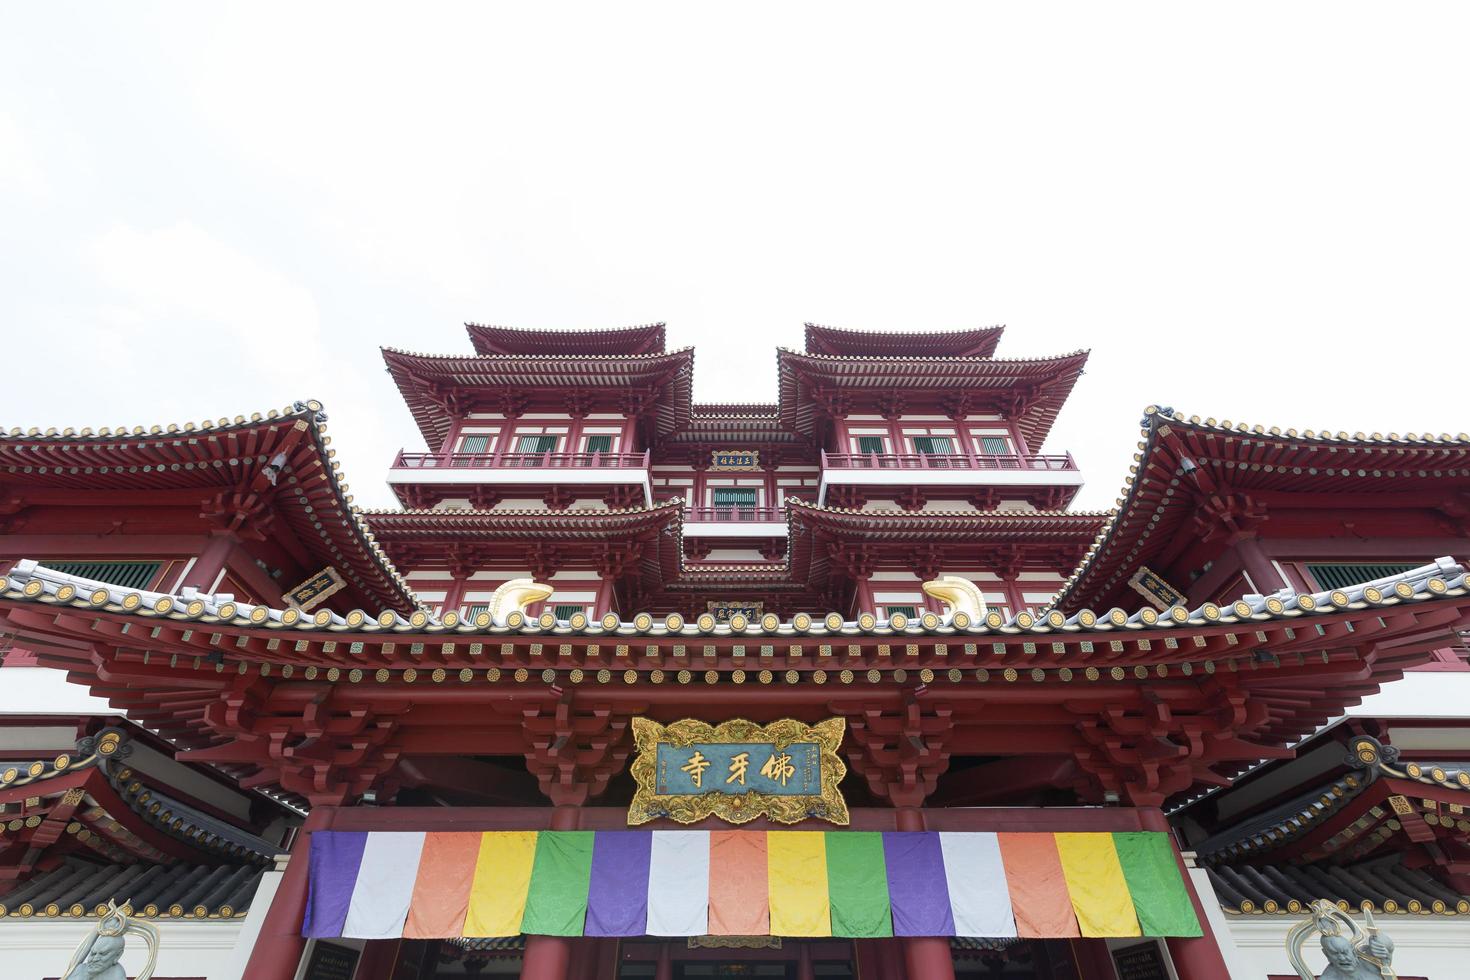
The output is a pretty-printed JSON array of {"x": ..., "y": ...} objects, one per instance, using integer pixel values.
[
  {"x": 738, "y": 903},
  {"x": 441, "y": 892},
  {"x": 1038, "y": 886}
]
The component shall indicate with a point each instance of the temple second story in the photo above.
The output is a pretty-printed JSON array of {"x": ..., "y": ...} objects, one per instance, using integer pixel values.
[{"x": 605, "y": 419}]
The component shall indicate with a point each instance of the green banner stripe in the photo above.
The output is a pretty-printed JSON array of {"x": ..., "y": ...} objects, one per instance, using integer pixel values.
[
  {"x": 557, "y": 902},
  {"x": 857, "y": 884},
  {"x": 1159, "y": 894}
]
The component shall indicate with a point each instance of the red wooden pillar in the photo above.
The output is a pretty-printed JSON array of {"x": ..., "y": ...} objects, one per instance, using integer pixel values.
[
  {"x": 804, "y": 962},
  {"x": 379, "y": 957},
  {"x": 207, "y": 566},
  {"x": 548, "y": 957},
  {"x": 1258, "y": 565},
  {"x": 1092, "y": 959},
  {"x": 926, "y": 957},
  {"x": 1194, "y": 959},
  {"x": 665, "y": 968},
  {"x": 277, "y": 951}
]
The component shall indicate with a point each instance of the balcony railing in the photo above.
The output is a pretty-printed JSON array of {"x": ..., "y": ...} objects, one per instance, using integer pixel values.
[
  {"x": 548, "y": 461},
  {"x": 943, "y": 461},
  {"x": 735, "y": 514}
]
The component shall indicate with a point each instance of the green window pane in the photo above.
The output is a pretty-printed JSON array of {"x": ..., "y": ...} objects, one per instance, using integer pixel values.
[
  {"x": 599, "y": 444},
  {"x": 127, "y": 574},
  {"x": 934, "y": 445},
  {"x": 870, "y": 444},
  {"x": 1340, "y": 576},
  {"x": 735, "y": 496},
  {"x": 536, "y": 444}
]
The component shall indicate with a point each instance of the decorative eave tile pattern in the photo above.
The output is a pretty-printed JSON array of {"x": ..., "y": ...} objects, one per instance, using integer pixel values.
[
  {"x": 310, "y": 489},
  {"x": 81, "y": 890},
  {"x": 1155, "y": 498},
  {"x": 1368, "y": 761},
  {"x": 107, "y": 751},
  {"x": 1380, "y": 886},
  {"x": 31, "y": 583}
]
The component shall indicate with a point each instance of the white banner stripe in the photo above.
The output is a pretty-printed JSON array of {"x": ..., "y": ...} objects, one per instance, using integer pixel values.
[
  {"x": 390, "y": 865},
  {"x": 978, "y": 896},
  {"x": 678, "y": 883}
]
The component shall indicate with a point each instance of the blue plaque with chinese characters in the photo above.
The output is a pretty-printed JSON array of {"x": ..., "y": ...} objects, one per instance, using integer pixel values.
[
  {"x": 787, "y": 771},
  {"x": 737, "y": 767}
]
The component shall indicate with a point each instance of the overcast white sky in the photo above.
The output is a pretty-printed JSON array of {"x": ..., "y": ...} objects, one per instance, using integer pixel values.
[{"x": 1256, "y": 211}]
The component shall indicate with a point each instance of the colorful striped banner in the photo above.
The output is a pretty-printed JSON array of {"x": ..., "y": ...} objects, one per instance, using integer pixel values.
[{"x": 847, "y": 884}]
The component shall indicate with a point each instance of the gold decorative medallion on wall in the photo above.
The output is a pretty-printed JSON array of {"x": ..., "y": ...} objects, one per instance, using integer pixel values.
[{"x": 787, "y": 771}]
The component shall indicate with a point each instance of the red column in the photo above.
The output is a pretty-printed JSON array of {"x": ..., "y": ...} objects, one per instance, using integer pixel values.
[
  {"x": 926, "y": 957},
  {"x": 804, "y": 962},
  {"x": 665, "y": 968},
  {"x": 1194, "y": 959},
  {"x": 379, "y": 957},
  {"x": 1257, "y": 565},
  {"x": 547, "y": 957},
  {"x": 207, "y": 566},
  {"x": 277, "y": 951}
]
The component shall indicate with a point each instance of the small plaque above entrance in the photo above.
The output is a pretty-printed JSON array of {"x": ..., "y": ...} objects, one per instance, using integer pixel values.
[
  {"x": 722, "y": 611},
  {"x": 787, "y": 771},
  {"x": 1152, "y": 587},
  {"x": 317, "y": 589},
  {"x": 735, "y": 459}
]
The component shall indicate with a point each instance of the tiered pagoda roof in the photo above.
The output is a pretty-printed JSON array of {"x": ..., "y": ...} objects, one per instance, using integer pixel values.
[
  {"x": 1362, "y": 825},
  {"x": 1235, "y": 474},
  {"x": 440, "y": 388},
  {"x": 235, "y": 473},
  {"x": 109, "y": 800},
  {"x": 1029, "y": 391},
  {"x": 1267, "y": 669},
  {"x": 545, "y": 539},
  {"x": 837, "y": 342},
  {"x": 646, "y": 339},
  {"x": 1004, "y": 541},
  {"x": 78, "y": 889}
]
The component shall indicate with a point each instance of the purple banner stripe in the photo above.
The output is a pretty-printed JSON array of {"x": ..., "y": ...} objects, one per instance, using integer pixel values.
[
  {"x": 336, "y": 856},
  {"x": 617, "y": 897},
  {"x": 917, "y": 888}
]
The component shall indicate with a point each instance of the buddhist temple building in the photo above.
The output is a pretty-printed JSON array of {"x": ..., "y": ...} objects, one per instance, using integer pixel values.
[{"x": 839, "y": 686}]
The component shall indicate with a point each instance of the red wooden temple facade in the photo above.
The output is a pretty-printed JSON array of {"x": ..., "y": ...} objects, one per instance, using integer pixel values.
[{"x": 731, "y": 561}]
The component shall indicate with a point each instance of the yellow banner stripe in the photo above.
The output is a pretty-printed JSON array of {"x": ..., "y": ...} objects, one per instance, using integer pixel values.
[
  {"x": 1096, "y": 885},
  {"x": 796, "y": 869},
  {"x": 502, "y": 879}
]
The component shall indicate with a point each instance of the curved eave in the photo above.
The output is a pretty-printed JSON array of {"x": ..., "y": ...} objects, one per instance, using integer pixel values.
[
  {"x": 490, "y": 339},
  {"x": 1042, "y": 525},
  {"x": 309, "y": 488},
  {"x": 1443, "y": 583},
  {"x": 840, "y": 342},
  {"x": 430, "y": 383},
  {"x": 469, "y": 524},
  {"x": 1244, "y": 458},
  {"x": 1039, "y": 387}
]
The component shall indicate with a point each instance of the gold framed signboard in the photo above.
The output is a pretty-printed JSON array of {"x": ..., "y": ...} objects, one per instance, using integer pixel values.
[
  {"x": 787, "y": 771},
  {"x": 736, "y": 460}
]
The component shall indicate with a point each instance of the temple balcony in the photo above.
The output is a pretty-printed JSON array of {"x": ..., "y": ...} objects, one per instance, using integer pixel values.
[
  {"x": 1052, "y": 480},
  {"x": 735, "y": 522},
  {"x": 621, "y": 479}
]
